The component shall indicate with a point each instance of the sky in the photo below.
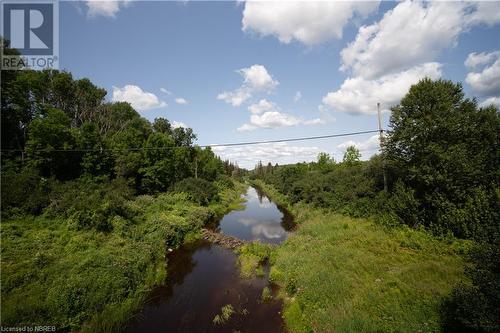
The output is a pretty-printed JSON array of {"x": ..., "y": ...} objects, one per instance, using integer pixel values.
[{"x": 252, "y": 71}]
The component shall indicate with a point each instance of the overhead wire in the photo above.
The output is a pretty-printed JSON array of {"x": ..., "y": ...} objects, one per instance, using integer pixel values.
[{"x": 230, "y": 144}]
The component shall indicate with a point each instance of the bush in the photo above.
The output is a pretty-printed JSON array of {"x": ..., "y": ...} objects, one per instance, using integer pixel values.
[
  {"x": 476, "y": 307},
  {"x": 353, "y": 190},
  {"x": 224, "y": 182},
  {"x": 90, "y": 205},
  {"x": 199, "y": 191},
  {"x": 23, "y": 192}
]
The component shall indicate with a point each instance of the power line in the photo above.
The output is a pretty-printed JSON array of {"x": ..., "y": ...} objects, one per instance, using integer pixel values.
[
  {"x": 231, "y": 144},
  {"x": 293, "y": 139}
]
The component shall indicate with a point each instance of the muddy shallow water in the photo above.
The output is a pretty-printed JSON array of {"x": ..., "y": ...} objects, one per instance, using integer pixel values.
[{"x": 203, "y": 277}]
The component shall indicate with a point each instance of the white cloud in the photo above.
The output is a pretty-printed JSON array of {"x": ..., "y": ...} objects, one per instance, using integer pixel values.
[
  {"x": 246, "y": 128},
  {"x": 412, "y": 33},
  {"x": 297, "y": 97},
  {"x": 107, "y": 8},
  {"x": 367, "y": 148},
  {"x": 281, "y": 153},
  {"x": 235, "y": 98},
  {"x": 273, "y": 119},
  {"x": 177, "y": 124},
  {"x": 491, "y": 101},
  {"x": 307, "y": 22},
  {"x": 487, "y": 81},
  {"x": 165, "y": 91},
  {"x": 360, "y": 96},
  {"x": 255, "y": 79},
  {"x": 266, "y": 114},
  {"x": 139, "y": 99},
  {"x": 487, "y": 12},
  {"x": 181, "y": 100},
  {"x": 262, "y": 106},
  {"x": 476, "y": 59}
]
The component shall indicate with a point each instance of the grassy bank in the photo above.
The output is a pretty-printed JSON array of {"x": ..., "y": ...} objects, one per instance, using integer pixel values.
[
  {"x": 341, "y": 274},
  {"x": 56, "y": 274}
]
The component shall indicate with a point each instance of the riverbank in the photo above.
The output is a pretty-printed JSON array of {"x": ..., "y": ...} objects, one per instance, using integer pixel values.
[
  {"x": 340, "y": 274},
  {"x": 57, "y": 275},
  {"x": 210, "y": 288}
]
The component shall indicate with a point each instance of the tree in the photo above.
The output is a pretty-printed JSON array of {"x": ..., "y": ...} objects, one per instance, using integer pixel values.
[
  {"x": 158, "y": 171},
  {"x": 351, "y": 155},
  {"x": 447, "y": 151},
  {"x": 162, "y": 125},
  {"x": 324, "y": 160},
  {"x": 50, "y": 145}
]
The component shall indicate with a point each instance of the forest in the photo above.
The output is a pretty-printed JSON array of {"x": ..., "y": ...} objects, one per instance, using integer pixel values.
[{"x": 93, "y": 195}]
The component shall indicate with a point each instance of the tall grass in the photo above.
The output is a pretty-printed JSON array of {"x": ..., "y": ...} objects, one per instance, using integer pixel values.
[{"x": 341, "y": 274}]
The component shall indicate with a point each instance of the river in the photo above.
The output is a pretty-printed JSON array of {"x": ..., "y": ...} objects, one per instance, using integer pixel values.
[{"x": 204, "y": 277}]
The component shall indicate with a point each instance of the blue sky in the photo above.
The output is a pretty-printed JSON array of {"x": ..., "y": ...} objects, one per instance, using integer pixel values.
[{"x": 254, "y": 71}]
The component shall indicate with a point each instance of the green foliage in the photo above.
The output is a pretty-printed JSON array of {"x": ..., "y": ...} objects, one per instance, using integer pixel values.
[
  {"x": 24, "y": 192},
  {"x": 226, "y": 313},
  {"x": 352, "y": 189},
  {"x": 446, "y": 148},
  {"x": 90, "y": 205},
  {"x": 351, "y": 155},
  {"x": 266, "y": 294},
  {"x": 50, "y": 143},
  {"x": 251, "y": 256},
  {"x": 198, "y": 190},
  {"x": 475, "y": 307},
  {"x": 63, "y": 128},
  {"x": 81, "y": 279},
  {"x": 324, "y": 161}
]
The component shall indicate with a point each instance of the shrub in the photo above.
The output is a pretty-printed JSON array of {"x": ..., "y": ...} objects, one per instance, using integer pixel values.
[
  {"x": 476, "y": 307},
  {"x": 90, "y": 205},
  {"x": 24, "y": 192},
  {"x": 199, "y": 191}
]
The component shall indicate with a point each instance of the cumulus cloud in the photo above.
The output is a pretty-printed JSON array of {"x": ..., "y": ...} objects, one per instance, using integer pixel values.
[
  {"x": 262, "y": 106},
  {"x": 307, "y": 22},
  {"x": 107, "y": 8},
  {"x": 274, "y": 119},
  {"x": 266, "y": 114},
  {"x": 281, "y": 153},
  {"x": 367, "y": 148},
  {"x": 255, "y": 79},
  {"x": 412, "y": 33},
  {"x": 139, "y": 99},
  {"x": 486, "y": 81},
  {"x": 360, "y": 96},
  {"x": 487, "y": 13},
  {"x": 491, "y": 101},
  {"x": 181, "y": 100}
]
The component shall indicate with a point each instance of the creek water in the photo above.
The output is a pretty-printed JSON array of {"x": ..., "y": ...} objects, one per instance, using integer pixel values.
[{"x": 203, "y": 277}]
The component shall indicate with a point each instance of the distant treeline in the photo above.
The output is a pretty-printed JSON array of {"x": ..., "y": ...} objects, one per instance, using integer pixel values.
[{"x": 441, "y": 158}]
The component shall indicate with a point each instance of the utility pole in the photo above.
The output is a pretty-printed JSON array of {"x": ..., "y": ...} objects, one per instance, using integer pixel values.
[
  {"x": 381, "y": 139},
  {"x": 196, "y": 166}
]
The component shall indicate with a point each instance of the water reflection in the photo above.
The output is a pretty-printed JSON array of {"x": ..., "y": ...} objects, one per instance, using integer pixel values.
[
  {"x": 201, "y": 279},
  {"x": 261, "y": 220}
]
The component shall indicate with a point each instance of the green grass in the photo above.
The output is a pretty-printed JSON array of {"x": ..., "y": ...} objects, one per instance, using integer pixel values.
[
  {"x": 341, "y": 274},
  {"x": 251, "y": 256},
  {"x": 54, "y": 274}
]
